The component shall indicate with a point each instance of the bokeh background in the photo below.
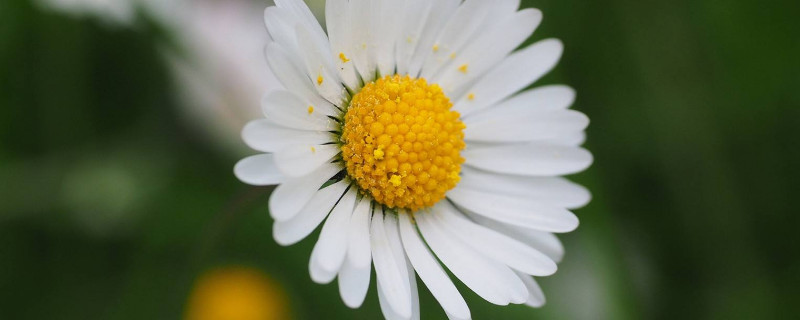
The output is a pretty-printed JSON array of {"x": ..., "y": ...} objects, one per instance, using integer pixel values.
[{"x": 119, "y": 126}]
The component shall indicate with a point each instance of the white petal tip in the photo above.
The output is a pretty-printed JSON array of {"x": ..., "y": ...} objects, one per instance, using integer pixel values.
[
  {"x": 535, "y": 304},
  {"x": 519, "y": 300},
  {"x": 352, "y": 303},
  {"x": 569, "y": 224},
  {"x": 553, "y": 44},
  {"x": 321, "y": 276},
  {"x": 280, "y": 239},
  {"x": 549, "y": 270}
]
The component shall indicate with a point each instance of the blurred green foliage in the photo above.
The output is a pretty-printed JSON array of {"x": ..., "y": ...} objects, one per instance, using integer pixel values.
[{"x": 111, "y": 205}]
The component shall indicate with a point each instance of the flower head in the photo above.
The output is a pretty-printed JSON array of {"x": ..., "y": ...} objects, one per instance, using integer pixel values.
[
  {"x": 406, "y": 133},
  {"x": 236, "y": 293}
]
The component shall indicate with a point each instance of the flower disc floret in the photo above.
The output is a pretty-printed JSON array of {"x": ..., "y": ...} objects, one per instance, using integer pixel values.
[{"x": 402, "y": 142}]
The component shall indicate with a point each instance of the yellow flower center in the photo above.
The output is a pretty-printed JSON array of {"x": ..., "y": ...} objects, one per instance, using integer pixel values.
[{"x": 402, "y": 143}]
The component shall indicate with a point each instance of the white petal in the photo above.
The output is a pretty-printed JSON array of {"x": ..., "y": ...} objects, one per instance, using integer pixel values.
[
  {"x": 535, "y": 159},
  {"x": 506, "y": 279},
  {"x": 516, "y": 72},
  {"x": 452, "y": 317},
  {"x": 554, "y": 191},
  {"x": 500, "y": 126},
  {"x": 386, "y": 28},
  {"x": 289, "y": 69},
  {"x": 410, "y": 283},
  {"x": 280, "y": 27},
  {"x": 386, "y": 309},
  {"x": 354, "y": 283},
  {"x": 545, "y": 242},
  {"x": 475, "y": 271},
  {"x": 290, "y": 111},
  {"x": 392, "y": 283},
  {"x": 537, "y": 114},
  {"x": 503, "y": 6},
  {"x": 362, "y": 45},
  {"x": 355, "y": 273},
  {"x": 431, "y": 272},
  {"x": 266, "y": 136},
  {"x": 329, "y": 252},
  {"x": 358, "y": 250},
  {"x": 289, "y": 232},
  {"x": 318, "y": 273},
  {"x": 319, "y": 68},
  {"x": 412, "y": 280},
  {"x": 487, "y": 50},
  {"x": 258, "y": 170},
  {"x": 493, "y": 244},
  {"x": 437, "y": 18},
  {"x": 545, "y": 98},
  {"x": 413, "y": 14},
  {"x": 515, "y": 210},
  {"x": 299, "y": 160},
  {"x": 337, "y": 17},
  {"x": 292, "y": 195},
  {"x": 303, "y": 16},
  {"x": 468, "y": 21},
  {"x": 573, "y": 139},
  {"x": 536, "y": 298}
]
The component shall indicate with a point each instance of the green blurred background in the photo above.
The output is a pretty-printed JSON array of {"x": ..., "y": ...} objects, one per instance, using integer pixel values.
[{"x": 116, "y": 193}]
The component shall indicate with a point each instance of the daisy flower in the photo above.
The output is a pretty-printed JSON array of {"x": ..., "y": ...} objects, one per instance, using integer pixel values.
[{"x": 405, "y": 132}]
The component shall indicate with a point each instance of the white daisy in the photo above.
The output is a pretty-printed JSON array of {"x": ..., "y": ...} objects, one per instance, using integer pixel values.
[{"x": 404, "y": 133}]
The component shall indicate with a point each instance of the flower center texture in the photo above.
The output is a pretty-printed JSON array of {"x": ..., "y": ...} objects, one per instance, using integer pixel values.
[{"x": 402, "y": 142}]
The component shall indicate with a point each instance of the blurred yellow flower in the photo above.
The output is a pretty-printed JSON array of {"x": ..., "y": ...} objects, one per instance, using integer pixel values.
[{"x": 236, "y": 293}]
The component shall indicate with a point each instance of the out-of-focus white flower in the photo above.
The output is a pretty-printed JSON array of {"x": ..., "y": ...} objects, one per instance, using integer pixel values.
[
  {"x": 223, "y": 74},
  {"x": 218, "y": 60},
  {"x": 120, "y": 12}
]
